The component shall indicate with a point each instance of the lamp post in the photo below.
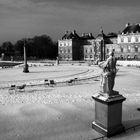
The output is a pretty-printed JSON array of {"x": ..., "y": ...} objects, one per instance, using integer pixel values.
[{"x": 25, "y": 68}]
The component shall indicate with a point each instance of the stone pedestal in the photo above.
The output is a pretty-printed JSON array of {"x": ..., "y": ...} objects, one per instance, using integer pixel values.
[
  {"x": 25, "y": 68},
  {"x": 108, "y": 113}
]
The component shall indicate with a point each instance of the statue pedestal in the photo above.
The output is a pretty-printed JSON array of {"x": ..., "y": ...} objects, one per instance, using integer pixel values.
[{"x": 108, "y": 113}]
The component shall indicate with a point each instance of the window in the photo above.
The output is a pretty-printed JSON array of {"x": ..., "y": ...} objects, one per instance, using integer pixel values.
[
  {"x": 121, "y": 49},
  {"x": 125, "y": 40},
  {"x": 88, "y": 50},
  {"x": 137, "y": 39},
  {"x": 70, "y": 43},
  {"x": 107, "y": 50},
  {"x": 121, "y": 39},
  {"x": 121, "y": 57},
  {"x": 61, "y": 44},
  {"x": 66, "y": 43},
  {"x": 129, "y": 39},
  {"x": 60, "y": 51},
  {"x": 136, "y": 49},
  {"x": 128, "y": 57},
  {"x": 133, "y": 39},
  {"x": 68, "y": 50},
  {"x": 129, "y": 48},
  {"x": 90, "y": 56}
]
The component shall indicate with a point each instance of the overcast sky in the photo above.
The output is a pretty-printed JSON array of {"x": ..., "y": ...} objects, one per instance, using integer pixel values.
[{"x": 27, "y": 18}]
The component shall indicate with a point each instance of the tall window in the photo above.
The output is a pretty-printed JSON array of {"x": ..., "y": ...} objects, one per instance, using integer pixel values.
[
  {"x": 125, "y": 40},
  {"x": 129, "y": 39},
  {"x": 133, "y": 39},
  {"x": 119, "y": 40},
  {"x": 121, "y": 49},
  {"x": 60, "y": 51},
  {"x": 129, "y": 48},
  {"x": 107, "y": 50},
  {"x": 136, "y": 49},
  {"x": 137, "y": 39},
  {"x": 122, "y": 39}
]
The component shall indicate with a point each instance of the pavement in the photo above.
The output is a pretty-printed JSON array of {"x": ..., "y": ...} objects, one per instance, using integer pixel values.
[{"x": 68, "y": 111}]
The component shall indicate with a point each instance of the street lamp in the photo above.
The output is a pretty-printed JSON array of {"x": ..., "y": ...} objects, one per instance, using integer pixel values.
[{"x": 25, "y": 68}]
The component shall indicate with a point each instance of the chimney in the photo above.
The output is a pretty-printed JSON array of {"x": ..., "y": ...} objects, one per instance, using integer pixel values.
[
  {"x": 101, "y": 30},
  {"x": 128, "y": 24},
  {"x": 66, "y": 32},
  {"x": 74, "y": 31},
  {"x": 90, "y": 34}
]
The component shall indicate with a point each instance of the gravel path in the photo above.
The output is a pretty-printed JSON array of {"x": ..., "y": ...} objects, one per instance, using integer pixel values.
[
  {"x": 47, "y": 95},
  {"x": 65, "y": 112}
]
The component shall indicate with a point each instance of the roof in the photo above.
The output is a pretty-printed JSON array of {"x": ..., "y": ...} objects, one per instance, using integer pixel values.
[
  {"x": 111, "y": 35},
  {"x": 87, "y": 36},
  {"x": 131, "y": 28},
  {"x": 101, "y": 35},
  {"x": 70, "y": 35}
]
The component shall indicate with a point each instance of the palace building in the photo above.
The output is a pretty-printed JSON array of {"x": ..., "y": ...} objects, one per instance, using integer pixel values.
[
  {"x": 75, "y": 47},
  {"x": 126, "y": 45},
  {"x": 69, "y": 47}
]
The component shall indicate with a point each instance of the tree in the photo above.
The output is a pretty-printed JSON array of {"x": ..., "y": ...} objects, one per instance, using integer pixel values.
[
  {"x": 18, "y": 48},
  {"x": 7, "y": 48},
  {"x": 39, "y": 46}
]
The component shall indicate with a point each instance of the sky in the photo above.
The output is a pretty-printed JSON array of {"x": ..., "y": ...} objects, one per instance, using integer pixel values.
[{"x": 27, "y": 18}]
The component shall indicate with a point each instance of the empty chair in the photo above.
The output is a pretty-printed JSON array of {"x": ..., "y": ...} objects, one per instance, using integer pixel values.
[{"x": 52, "y": 83}]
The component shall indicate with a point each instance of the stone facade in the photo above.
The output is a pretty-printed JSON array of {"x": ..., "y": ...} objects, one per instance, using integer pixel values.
[
  {"x": 65, "y": 49},
  {"x": 85, "y": 47},
  {"x": 74, "y": 47},
  {"x": 127, "y": 44},
  {"x": 69, "y": 47}
]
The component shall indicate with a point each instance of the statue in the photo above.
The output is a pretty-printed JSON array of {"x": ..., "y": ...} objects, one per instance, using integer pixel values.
[
  {"x": 108, "y": 75},
  {"x": 108, "y": 103}
]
